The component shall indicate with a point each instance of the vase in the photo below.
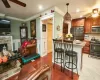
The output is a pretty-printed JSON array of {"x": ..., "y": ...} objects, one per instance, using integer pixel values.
[{"x": 68, "y": 38}]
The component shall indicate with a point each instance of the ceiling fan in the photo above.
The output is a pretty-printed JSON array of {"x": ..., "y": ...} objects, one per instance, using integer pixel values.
[{"x": 7, "y": 5}]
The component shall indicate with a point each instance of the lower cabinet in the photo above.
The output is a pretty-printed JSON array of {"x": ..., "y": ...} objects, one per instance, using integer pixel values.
[{"x": 86, "y": 48}]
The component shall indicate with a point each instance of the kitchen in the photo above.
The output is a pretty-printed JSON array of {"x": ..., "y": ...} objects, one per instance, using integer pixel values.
[
  {"x": 87, "y": 29},
  {"x": 91, "y": 50}
]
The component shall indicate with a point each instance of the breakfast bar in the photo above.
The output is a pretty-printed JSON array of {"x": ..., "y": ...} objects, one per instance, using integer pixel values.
[{"x": 77, "y": 47}]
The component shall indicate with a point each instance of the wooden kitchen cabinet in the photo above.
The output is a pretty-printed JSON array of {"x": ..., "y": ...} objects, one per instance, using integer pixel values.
[
  {"x": 96, "y": 21},
  {"x": 86, "y": 48},
  {"x": 88, "y": 25},
  {"x": 78, "y": 22},
  {"x": 65, "y": 29}
]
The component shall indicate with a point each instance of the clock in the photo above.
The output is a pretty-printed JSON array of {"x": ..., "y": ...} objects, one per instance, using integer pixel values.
[{"x": 58, "y": 28}]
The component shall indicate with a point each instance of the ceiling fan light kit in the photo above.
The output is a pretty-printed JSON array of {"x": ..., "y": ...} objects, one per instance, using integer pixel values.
[
  {"x": 7, "y": 5},
  {"x": 67, "y": 16}
]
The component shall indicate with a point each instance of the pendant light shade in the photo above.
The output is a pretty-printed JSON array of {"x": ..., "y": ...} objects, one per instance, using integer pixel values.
[{"x": 67, "y": 16}]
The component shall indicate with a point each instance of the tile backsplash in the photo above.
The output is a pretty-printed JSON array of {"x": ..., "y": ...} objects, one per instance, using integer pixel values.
[{"x": 89, "y": 36}]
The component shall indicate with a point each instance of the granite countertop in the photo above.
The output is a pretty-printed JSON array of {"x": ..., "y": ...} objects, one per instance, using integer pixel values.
[
  {"x": 75, "y": 42},
  {"x": 79, "y": 43}
]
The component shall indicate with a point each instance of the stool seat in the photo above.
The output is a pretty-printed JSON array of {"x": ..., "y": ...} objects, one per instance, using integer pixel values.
[
  {"x": 59, "y": 50},
  {"x": 71, "y": 53}
]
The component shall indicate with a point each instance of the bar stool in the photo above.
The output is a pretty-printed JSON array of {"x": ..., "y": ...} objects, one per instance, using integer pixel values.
[
  {"x": 58, "y": 52},
  {"x": 70, "y": 55}
]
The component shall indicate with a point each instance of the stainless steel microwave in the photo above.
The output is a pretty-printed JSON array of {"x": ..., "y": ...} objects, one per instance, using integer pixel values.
[{"x": 95, "y": 29}]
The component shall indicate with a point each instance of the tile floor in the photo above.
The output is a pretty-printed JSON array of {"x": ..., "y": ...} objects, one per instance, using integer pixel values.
[{"x": 91, "y": 68}]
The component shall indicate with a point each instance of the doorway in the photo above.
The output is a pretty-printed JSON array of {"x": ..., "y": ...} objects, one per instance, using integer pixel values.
[{"x": 48, "y": 34}]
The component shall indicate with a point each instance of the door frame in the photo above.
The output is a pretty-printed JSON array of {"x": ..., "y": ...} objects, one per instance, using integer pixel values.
[{"x": 43, "y": 18}]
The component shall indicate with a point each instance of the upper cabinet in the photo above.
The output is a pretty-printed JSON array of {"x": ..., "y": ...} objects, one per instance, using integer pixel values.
[
  {"x": 90, "y": 22},
  {"x": 78, "y": 22},
  {"x": 88, "y": 25},
  {"x": 96, "y": 21}
]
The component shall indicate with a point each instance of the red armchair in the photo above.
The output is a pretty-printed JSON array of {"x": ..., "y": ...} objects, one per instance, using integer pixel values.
[{"x": 28, "y": 48}]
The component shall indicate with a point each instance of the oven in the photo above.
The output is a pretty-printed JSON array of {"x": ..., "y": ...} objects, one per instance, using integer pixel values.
[{"x": 95, "y": 49}]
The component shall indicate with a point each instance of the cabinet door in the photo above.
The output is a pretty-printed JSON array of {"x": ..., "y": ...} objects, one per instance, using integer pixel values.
[
  {"x": 86, "y": 50},
  {"x": 78, "y": 22},
  {"x": 96, "y": 21},
  {"x": 88, "y": 25}
]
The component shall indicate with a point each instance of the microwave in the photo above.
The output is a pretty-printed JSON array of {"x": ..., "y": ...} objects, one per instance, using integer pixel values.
[{"x": 95, "y": 29}]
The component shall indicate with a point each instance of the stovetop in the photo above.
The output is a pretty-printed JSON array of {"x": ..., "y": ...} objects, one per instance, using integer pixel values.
[{"x": 95, "y": 41}]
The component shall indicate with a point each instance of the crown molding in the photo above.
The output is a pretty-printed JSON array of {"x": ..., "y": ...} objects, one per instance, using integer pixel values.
[
  {"x": 59, "y": 11},
  {"x": 48, "y": 12},
  {"x": 9, "y": 17},
  {"x": 2, "y": 15},
  {"x": 14, "y": 18}
]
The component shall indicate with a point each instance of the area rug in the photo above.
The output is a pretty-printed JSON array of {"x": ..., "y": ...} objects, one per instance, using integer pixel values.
[{"x": 11, "y": 72}]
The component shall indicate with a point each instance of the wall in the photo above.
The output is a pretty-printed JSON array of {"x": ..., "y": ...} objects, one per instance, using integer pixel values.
[
  {"x": 89, "y": 36},
  {"x": 58, "y": 20},
  {"x": 15, "y": 30}
]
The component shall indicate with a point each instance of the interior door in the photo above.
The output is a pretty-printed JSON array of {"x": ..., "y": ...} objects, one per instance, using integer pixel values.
[{"x": 44, "y": 39}]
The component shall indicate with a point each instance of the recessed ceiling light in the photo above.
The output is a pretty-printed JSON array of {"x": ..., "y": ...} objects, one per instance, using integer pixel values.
[
  {"x": 77, "y": 10},
  {"x": 40, "y": 7},
  {"x": 81, "y": 16}
]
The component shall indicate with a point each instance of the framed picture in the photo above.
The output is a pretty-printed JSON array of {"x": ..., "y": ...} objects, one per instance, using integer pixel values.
[
  {"x": 43, "y": 27},
  {"x": 33, "y": 28},
  {"x": 23, "y": 33}
]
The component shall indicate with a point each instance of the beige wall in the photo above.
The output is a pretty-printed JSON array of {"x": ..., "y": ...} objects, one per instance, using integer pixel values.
[
  {"x": 49, "y": 37},
  {"x": 89, "y": 36}
]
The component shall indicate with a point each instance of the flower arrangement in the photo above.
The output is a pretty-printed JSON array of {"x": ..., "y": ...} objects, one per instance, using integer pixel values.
[{"x": 69, "y": 35}]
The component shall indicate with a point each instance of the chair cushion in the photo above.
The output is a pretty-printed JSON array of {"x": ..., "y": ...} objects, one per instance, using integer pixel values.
[
  {"x": 71, "y": 53},
  {"x": 59, "y": 50}
]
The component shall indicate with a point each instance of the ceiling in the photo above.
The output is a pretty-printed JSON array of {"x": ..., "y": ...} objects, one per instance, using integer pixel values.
[{"x": 32, "y": 8}]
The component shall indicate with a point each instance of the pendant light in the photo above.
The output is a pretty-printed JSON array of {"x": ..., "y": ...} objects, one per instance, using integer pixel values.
[{"x": 67, "y": 16}]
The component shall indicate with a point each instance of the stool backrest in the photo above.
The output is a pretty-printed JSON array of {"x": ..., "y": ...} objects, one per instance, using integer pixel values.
[
  {"x": 68, "y": 45},
  {"x": 57, "y": 43}
]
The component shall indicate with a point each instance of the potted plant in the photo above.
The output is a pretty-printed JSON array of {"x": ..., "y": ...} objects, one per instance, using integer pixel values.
[{"x": 69, "y": 36}]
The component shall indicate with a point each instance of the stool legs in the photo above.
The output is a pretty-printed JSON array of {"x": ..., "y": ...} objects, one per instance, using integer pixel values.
[
  {"x": 76, "y": 64},
  {"x": 60, "y": 56},
  {"x": 54, "y": 60},
  {"x": 62, "y": 61},
  {"x": 70, "y": 64}
]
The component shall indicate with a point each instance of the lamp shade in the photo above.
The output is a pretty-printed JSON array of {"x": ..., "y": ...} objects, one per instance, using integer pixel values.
[{"x": 67, "y": 16}]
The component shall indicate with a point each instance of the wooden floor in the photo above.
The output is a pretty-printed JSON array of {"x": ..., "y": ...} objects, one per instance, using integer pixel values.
[{"x": 56, "y": 72}]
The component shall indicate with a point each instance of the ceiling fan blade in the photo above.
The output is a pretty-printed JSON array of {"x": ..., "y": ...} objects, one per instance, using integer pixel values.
[
  {"x": 5, "y": 2},
  {"x": 18, "y": 2}
]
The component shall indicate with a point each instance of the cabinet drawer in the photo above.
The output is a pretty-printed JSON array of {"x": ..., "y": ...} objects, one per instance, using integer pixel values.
[{"x": 86, "y": 49}]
